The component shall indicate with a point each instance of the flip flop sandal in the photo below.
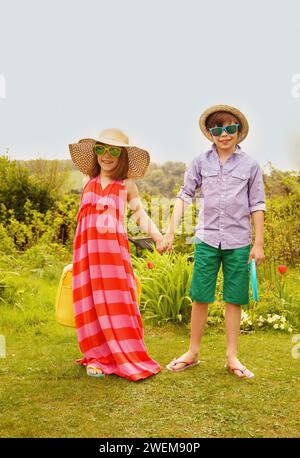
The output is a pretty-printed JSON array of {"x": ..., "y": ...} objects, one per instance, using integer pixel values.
[
  {"x": 93, "y": 374},
  {"x": 232, "y": 370},
  {"x": 187, "y": 365}
]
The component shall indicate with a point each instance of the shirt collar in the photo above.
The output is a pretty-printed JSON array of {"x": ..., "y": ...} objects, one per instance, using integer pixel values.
[{"x": 238, "y": 149}]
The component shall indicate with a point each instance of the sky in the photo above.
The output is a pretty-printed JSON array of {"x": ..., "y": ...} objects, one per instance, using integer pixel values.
[{"x": 69, "y": 69}]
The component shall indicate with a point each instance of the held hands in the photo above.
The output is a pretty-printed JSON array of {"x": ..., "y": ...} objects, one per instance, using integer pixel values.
[
  {"x": 165, "y": 243},
  {"x": 160, "y": 245},
  {"x": 257, "y": 253},
  {"x": 168, "y": 241}
]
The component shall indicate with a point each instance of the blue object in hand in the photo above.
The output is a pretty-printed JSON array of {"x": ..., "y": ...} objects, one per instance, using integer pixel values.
[{"x": 253, "y": 279}]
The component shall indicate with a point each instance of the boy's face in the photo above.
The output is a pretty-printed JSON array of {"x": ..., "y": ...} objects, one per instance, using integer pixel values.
[{"x": 225, "y": 141}]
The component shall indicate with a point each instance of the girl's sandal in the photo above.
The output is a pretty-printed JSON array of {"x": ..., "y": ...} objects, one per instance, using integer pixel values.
[
  {"x": 92, "y": 371},
  {"x": 232, "y": 370}
]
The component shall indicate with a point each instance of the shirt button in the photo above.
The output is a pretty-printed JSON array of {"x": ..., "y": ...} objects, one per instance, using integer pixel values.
[
  {"x": 222, "y": 195},
  {"x": 222, "y": 213}
]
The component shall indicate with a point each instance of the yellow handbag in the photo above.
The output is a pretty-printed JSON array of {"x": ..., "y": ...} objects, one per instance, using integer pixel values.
[{"x": 64, "y": 311}]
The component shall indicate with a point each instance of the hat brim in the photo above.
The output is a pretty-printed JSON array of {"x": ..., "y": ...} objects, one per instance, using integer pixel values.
[
  {"x": 85, "y": 159},
  {"x": 232, "y": 110}
]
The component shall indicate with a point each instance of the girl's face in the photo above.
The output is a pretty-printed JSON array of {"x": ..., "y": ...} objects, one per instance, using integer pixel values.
[{"x": 106, "y": 161}]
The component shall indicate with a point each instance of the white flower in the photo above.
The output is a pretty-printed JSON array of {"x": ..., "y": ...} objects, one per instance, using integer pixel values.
[
  {"x": 260, "y": 324},
  {"x": 244, "y": 316},
  {"x": 282, "y": 326},
  {"x": 290, "y": 330},
  {"x": 276, "y": 326},
  {"x": 283, "y": 319}
]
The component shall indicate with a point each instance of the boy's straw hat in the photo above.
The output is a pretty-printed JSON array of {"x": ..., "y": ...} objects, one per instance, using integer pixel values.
[
  {"x": 244, "y": 126},
  {"x": 85, "y": 159}
]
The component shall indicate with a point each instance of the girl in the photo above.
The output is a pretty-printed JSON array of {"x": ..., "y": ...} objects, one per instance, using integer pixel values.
[{"x": 108, "y": 322}]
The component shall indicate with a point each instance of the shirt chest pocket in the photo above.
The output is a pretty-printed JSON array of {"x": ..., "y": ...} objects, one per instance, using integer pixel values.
[
  {"x": 239, "y": 178},
  {"x": 209, "y": 179}
]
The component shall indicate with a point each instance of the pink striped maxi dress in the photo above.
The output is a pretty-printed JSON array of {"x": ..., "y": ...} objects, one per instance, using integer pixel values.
[{"x": 108, "y": 321}]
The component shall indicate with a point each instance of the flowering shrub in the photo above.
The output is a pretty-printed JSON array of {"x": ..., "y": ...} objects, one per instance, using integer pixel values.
[{"x": 270, "y": 321}]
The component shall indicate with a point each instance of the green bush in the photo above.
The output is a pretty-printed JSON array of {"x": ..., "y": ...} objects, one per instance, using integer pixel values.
[
  {"x": 165, "y": 282},
  {"x": 282, "y": 230},
  {"x": 17, "y": 186},
  {"x": 7, "y": 245}
]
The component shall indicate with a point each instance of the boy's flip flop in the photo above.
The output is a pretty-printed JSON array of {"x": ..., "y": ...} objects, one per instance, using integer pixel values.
[
  {"x": 254, "y": 279},
  {"x": 232, "y": 370},
  {"x": 176, "y": 361}
]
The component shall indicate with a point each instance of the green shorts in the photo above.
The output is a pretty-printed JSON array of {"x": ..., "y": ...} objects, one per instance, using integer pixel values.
[{"x": 235, "y": 267}]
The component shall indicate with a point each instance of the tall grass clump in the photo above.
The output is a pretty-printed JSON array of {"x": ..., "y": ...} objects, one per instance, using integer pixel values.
[{"x": 165, "y": 283}]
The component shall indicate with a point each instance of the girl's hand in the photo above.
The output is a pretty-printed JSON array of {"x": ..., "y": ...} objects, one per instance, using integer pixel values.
[
  {"x": 160, "y": 245},
  {"x": 168, "y": 242}
]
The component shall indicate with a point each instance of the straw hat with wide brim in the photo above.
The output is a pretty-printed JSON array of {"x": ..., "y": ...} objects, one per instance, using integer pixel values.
[
  {"x": 244, "y": 126},
  {"x": 85, "y": 159}
]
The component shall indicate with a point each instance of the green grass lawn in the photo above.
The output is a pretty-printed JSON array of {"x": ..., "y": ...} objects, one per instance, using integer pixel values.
[{"x": 43, "y": 393}]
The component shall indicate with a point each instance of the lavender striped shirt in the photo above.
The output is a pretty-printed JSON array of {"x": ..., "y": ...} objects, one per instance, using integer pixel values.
[{"x": 230, "y": 193}]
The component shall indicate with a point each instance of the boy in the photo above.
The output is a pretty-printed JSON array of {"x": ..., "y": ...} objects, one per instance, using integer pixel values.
[{"x": 232, "y": 189}]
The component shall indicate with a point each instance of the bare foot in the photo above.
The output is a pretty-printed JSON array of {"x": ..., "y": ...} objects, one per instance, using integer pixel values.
[{"x": 188, "y": 357}]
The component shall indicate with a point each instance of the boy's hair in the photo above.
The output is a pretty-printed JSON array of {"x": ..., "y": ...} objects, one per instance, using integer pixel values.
[
  {"x": 218, "y": 118},
  {"x": 121, "y": 170}
]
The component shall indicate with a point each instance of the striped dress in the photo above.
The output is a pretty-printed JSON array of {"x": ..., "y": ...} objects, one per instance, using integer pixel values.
[{"x": 108, "y": 322}]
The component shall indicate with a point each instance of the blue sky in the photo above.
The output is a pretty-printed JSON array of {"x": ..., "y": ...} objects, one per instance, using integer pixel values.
[{"x": 70, "y": 69}]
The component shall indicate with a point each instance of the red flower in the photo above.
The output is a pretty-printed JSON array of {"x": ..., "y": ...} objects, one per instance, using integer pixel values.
[
  {"x": 282, "y": 269},
  {"x": 150, "y": 265}
]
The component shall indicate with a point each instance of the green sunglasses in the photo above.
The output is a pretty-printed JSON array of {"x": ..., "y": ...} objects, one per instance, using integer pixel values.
[
  {"x": 217, "y": 131},
  {"x": 114, "y": 151}
]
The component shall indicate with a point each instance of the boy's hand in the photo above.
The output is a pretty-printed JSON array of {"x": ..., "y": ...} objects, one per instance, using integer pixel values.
[
  {"x": 257, "y": 253},
  {"x": 168, "y": 242}
]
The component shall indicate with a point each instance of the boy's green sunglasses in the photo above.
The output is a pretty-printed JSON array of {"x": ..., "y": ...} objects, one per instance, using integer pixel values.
[
  {"x": 114, "y": 151},
  {"x": 217, "y": 131}
]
